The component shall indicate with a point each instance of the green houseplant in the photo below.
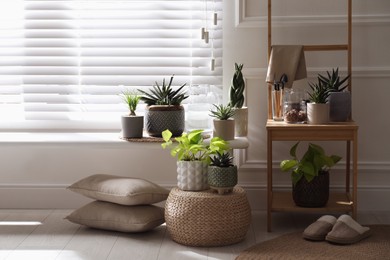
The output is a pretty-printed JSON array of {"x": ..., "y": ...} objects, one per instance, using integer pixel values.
[
  {"x": 310, "y": 175},
  {"x": 222, "y": 173},
  {"x": 237, "y": 99},
  {"x": 223, "y": 122},
  {"x": 132, "y": 125},
  {"x": 164, "y": 109},
  {"x": 317, "y": 108},
  {"x": 193, "y": 157},
  {"x": 339, "y": 98}
]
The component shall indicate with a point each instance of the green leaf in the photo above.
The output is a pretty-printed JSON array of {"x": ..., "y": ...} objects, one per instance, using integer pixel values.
[
  {"x": 287, "y": 165},
  {"x": 293, "y": 150},
  {"x": 166, "y": 135}
]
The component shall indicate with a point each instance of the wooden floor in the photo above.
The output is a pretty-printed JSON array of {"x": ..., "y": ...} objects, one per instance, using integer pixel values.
[{"x": 44, "y": 234}]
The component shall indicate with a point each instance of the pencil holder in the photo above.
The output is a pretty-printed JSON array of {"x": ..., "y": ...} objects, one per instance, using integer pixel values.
[{"x": 277, "y": 104}]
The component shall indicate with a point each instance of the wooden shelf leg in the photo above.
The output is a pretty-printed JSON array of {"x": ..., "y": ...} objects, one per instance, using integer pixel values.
[{"x": 269, "y": 181}]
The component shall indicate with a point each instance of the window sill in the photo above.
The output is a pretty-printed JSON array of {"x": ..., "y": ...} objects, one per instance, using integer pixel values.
[{"x": 87, "y": 138}]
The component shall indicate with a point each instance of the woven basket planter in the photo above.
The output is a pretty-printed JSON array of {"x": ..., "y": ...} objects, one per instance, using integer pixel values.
[
  {"x": 207, "y": 219},
  {"x": 312, "y": 194}
]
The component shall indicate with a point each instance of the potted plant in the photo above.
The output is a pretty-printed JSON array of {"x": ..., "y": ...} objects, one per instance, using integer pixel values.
[
  {"x": 237, "y": 99},
  {"x": 222, "y": 174},
  {"x": 132, "y": 125},
  {"x": 310, "y": 175},
  {"x": 193, "y": 157},
  {"x": 318, "y": 108},
  {"x": 164, "y": 109},
  {"x": 339, "y": 98},
  {"x": 223, "y": 121}
]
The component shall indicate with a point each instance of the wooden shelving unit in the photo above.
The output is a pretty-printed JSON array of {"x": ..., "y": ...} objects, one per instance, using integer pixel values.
[{"x": 341, "y": 202}]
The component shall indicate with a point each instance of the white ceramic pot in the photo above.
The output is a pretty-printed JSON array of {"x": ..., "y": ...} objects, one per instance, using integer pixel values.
[
  {"x": 192, "y": 175},
  {"x": 241, "y": 121},
  {"x": 224, "y": 128},
  {"x": 317, "y": 114}
]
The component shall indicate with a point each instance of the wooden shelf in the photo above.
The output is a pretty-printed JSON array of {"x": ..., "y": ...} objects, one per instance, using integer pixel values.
[
  {"x": 345, "y": 131},
  {"x": 282, "y": 201}
]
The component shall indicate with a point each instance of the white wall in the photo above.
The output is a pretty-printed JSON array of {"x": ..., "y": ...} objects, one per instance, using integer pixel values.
[{"x": 35, "y": 174}]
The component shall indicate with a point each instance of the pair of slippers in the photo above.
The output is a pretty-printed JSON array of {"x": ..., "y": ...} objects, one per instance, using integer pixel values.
[{"x": 344, "y": 230}]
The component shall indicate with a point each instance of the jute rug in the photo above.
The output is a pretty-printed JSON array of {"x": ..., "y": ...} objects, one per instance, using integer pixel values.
[{"x": 293, "y": 246}]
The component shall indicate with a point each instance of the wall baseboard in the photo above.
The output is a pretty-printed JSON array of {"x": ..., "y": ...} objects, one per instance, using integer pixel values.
[{"x": 58, "y": 197}]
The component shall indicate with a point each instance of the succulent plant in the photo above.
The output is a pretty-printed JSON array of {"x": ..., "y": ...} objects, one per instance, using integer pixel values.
[
  {"x": 319, "y": 93},
  {"x": 222, "y": 112},
  {"x": 333, "y": 82},
  {"x": 237, "y": 88},
  {"x": 131, "y": 99},
  {"x": 222, "y": 160},
  {"x": 163, "y": 95}
]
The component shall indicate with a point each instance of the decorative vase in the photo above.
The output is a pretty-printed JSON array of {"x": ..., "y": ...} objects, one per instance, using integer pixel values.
[
  {"x": 192, "y": 175},
  {"x": 161, "y": 118},
  {"x": 312, "y": 194},
  {"x": 241, "y": 121},
  {"x": 317, "y": 113},
  {"x": 132, "y": 126},
  {"x": 340, "y": 106},
  {"x": 224, "y": 128},
  {"x": 222, "y": 179}
]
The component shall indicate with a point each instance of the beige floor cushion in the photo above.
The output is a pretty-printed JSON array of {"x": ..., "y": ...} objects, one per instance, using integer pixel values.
[
  {"x": 120, "y": 190},
  {"x": 110, "y": 216}
]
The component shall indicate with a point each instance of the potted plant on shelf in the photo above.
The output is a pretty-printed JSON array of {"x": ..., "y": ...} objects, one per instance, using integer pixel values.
[
  {"x": 318, "y": 108},
  {"x": 222, "y": 174},
  {"x": 237, "y": 99},
  {"x": 339, "y": 98},
  {"x": 193, "y": 156},
  {"x": 164, "y": 109},
  {"x": 132, "y": 125},
  {"x": 223, "y": 121},
  {"x": 310, "y": 175}
]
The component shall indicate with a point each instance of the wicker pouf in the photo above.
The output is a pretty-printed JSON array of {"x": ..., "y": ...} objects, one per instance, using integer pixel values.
[{"x": 205, "y": 218}]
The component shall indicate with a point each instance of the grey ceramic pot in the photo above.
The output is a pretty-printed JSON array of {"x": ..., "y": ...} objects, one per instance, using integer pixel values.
[
  {"x": 340, "y": 106},
  {"x": 132, "y": 126},
  {"x": 161, "y": 118}
]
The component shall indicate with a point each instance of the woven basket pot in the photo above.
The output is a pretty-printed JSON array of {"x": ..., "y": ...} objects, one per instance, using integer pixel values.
[
  {"x": 222, "y": 177},
  {"x": 192, "y": 175},
  {"x": 312, "y": 194},
  {"x": 161, "y": 118},
  {"x": 207, "y": 219}
]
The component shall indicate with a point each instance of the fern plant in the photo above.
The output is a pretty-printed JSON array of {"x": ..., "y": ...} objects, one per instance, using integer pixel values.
[
  {"x": 237, "y": 88},
  {"x": 163, "y": 94},
  {"x": 222, "y": 160},
  {"x": 222, "y": 112}
]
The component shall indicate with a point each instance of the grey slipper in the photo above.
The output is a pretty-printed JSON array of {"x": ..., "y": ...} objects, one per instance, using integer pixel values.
[
  {"x": 318, "y": 230},
  {"x": 347, "y": 231}
]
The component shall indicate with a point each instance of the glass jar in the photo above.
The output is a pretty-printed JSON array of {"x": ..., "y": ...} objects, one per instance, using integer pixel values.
[{"x": 294, "y": 108}]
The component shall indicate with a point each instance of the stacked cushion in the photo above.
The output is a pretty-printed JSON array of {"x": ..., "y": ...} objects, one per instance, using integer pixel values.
[{"x": 122, "y": 203}]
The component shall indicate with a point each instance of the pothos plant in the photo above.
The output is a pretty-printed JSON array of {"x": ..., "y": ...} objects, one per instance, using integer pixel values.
[
  {"x": 310, "y": 165},
  {"x": 191, "y": 146}
]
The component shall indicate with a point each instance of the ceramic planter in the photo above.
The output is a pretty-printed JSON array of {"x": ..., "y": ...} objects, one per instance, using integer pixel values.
[
  {"x": 224, "y": 128},
  {"x": 161, "y": 118},
  {"x": 222, "y": 179},
  {"x": 192, "y": 175},
  {"x": 132, "y": 126},
  {"x": 312, "y": 194},
  {"x": 340, "y": 106},
  {"x": 317, "y": 114},
  {"x": 241, "y": 121}
]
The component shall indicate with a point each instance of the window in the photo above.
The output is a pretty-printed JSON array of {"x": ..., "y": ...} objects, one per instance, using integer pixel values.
[{"x": 64, "y": 62}]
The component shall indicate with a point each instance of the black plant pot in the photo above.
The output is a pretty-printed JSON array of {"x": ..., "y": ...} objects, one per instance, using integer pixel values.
[{"x": 312, "y": 194}]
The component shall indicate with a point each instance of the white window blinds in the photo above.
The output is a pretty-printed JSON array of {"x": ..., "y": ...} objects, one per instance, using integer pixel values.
[{"x": 64, "y": 62}]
